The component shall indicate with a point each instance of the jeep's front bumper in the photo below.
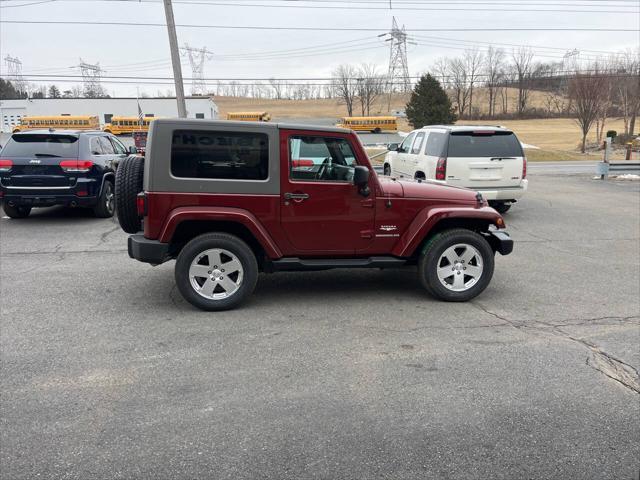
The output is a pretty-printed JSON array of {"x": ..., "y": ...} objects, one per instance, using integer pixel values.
[
  {"x": 500, "y": 242},
  {"x": 148, "y": 251}
]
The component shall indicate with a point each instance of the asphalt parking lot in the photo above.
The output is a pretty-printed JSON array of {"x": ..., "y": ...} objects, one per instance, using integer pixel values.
[{"x": 108, "y": 373}]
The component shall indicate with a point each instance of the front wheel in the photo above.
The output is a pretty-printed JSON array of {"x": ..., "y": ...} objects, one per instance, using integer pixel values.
[
  {"x": 216, "y": 271},
  {"x": 456, "y": 265},
  {"x": 17, "y": 211}
]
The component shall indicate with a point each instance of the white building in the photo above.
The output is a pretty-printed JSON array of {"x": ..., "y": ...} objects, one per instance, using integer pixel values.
[{"x": 104, "y": 108}]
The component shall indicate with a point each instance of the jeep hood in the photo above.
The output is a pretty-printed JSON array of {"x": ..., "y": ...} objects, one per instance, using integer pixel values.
[{"x": 425, "y": 190}]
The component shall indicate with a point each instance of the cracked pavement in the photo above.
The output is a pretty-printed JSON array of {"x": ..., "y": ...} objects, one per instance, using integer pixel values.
[{"x": 108, "y": 373}]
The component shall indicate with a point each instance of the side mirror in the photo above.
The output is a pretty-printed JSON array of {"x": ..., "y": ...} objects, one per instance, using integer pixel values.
[
  {"x": 393, "y": 147},
  {"x": 360, "y": 176},
  {"x": 133, "y": 150},
  {"x": 361, "y": 180}
]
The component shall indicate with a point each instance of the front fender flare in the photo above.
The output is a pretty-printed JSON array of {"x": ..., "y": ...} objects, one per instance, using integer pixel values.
[
  {"x": 227, "y": 214},
  {"x": 426, "y": 219}
]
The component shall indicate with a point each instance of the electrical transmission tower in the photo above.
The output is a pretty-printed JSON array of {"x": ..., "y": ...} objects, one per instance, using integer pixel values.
[
  {"x": 398, "y": 75},
  {"x": 91, "y": 76},
  {"x": 14, "y": 73},
  {"x": 197, "y": 56}
]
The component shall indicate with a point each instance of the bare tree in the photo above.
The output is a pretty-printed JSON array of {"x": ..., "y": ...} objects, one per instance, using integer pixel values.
[
  {"x": 586, "y": 91},
  {"x": 522, "y": 61},
  {"x": 459, "y": 83},
  {"x": 493, "y": 71},
  {"x": 627, "y": 71},
  {"x": 345, "y": 85},
  {"x": 472, "y": 61},
  {"x": 370, "y": 85},
  {"x": 277, "y": 88}
]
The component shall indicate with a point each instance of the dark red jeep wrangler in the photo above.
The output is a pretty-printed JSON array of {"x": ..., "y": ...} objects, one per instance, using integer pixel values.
[{"x": 231, "y": 199}]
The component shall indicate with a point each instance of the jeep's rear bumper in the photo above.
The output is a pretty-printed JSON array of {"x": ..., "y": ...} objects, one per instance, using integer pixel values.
[
  {"x": 500, "y": 242},
  {"x": 148, "y": 251}
]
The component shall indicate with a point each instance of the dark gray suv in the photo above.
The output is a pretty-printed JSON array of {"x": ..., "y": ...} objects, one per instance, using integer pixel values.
[{"x": 41, "y": 168}]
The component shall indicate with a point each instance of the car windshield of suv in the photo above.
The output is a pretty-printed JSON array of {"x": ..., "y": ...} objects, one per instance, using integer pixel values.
[
  {"x": 484, "y": 144},
  {"x": 29, "y": 145}
]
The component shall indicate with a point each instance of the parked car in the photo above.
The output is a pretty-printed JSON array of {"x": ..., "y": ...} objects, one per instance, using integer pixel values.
[
  {"x": 42, "y": 168},
  {"x": 488, "y": 159},
  {"x": 230, "y": 199}
]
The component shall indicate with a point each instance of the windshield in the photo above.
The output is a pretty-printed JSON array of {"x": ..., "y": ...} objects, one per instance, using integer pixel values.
[
  {"x": 482, "y": 144},
  {"x": 27, "y": 145}
]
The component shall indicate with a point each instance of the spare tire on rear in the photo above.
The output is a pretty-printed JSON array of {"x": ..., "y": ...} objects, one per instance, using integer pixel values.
[{"x": 128, "y": 185}]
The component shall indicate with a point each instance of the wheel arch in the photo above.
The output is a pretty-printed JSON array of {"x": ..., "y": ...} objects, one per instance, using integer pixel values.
[
  {"x": 429, "y": 223},
  {"x": 184, "y": 224}
]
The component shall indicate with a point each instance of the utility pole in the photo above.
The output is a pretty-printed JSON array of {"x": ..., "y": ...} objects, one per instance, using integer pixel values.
[
  {"x": 175, "y": 59},
  {"x": 14, "y": 70},
  {"x": 91, "y": 76}
]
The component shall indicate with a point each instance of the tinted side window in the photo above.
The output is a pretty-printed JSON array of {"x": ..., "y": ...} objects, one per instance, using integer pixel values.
[
  {"x": 406, "y": 144},
  {"x": 435, "y": 144},
  {"x": 117, "y": 146},
  {"x": 223, "y": 155},
  {"x": 96, "y": 148},
  {"x": 417, "y": 145},
  {"x": 107, "y": 148},
  {"x": 497, "y": 144}
]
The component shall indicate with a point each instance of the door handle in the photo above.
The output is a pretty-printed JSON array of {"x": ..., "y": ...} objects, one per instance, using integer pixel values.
[{"x": 297, "y": 197}]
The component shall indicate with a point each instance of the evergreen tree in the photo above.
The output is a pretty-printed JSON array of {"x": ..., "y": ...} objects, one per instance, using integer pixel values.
[
  {"x": 9, "y": 92},
  {"x": 54, "y": 92},
  {"x": 429, "y": 104}
]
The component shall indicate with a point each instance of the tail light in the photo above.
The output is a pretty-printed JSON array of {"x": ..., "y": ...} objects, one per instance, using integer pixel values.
[
  {"x": 524, "y": 167},
  {"x": 441, "y": 168},
  {"x": 141, "y": 204},
  {"x": 76, "y": 166},
  {"x": 5, "y": 165}
]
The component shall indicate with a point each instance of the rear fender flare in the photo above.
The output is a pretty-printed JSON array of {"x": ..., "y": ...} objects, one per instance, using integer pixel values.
[
  {"x": 227, "y": 214},
  {"x": 428, "y": 218},
  {"x": 109, "y": 175}
]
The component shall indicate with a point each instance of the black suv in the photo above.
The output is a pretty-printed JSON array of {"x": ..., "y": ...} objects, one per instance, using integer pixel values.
[{"x": 41, "y": 168}]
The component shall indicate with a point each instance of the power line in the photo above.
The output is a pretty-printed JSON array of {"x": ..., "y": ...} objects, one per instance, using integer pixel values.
[
  {"x": 321, "y": 29},
  {"x": 516, "y": 7}
]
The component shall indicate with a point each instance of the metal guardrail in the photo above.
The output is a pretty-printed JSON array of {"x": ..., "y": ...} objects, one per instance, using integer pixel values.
[{"x": 604, "y": 169}]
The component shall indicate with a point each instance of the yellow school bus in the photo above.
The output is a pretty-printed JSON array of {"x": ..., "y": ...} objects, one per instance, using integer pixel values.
[
  {"x": 249, "y": 116},
  {"x": 369, "y": 124},
  {"x": 121, "y": 125},
  {"x": 67, "y": 122}
]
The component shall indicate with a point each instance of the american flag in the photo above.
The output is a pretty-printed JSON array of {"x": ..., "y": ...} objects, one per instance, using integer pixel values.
[{"x": 140, "y": 115}]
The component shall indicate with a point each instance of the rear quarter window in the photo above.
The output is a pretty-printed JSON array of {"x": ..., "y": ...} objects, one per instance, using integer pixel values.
[
  {"x": 497, "y": 144},
  {"x": 435, "y": 144},
  {"x": 219, "y": 155},
  {"x": 28, "y": 145}
]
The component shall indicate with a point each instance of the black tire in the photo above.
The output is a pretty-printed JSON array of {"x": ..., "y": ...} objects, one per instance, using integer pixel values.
[
  {"x": 428, "y": 264},
  {"x": 500, "y": 207},
  {"x": 377, "y": 130},
  {"x": 106, "y": 202},
  {"x": 17, "y": 211},
  {"x": 128, "y": 185},
  {"x": 386, "y": 170},
  {"x": 223, "y": 241}
]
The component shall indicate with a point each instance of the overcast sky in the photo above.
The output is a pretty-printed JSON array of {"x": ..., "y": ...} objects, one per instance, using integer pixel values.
[{"x": 53, "y": 49}]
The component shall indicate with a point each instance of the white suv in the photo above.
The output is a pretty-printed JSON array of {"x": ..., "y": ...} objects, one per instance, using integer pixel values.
[{"x": 487, "y": 159}]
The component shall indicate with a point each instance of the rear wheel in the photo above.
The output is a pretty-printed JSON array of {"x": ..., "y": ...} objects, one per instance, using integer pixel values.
[
  {"x": 377, "y": 130},
  {"x": 128, "y": 185},
  {"x": 216, "y": 271},
  {"x": 16, "y": 211},
  {"x": 500, "y": 207},
  {"x": 456, "y": 265},
  {"x": 106, "y": 201}
]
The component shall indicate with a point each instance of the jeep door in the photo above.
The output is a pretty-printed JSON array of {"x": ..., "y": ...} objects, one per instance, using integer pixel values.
[{"x": 322, "y": 211}]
